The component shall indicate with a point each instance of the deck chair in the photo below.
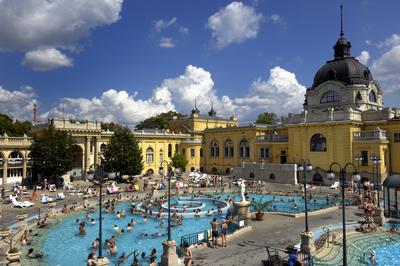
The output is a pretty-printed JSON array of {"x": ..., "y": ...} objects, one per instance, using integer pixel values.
[
  {"x": 335, "y": 185},
  {"x": 20, "y": 204}
]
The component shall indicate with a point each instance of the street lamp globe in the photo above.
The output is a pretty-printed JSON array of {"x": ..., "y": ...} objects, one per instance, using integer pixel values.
[
  {"x": 309, "y": 167},
  {"x": 177, "y": 171},
  {"x": 90, "y": 176},
  {"x": 300, "y": 168},
  {"x": 330, "y": 175},
  {"x": 356, "y": 177}
]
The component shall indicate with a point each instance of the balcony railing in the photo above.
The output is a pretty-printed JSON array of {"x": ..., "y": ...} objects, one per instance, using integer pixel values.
[
  {"x": 273, "y": 138},
  {"x": 376, "y": 134},
  {"x": 15, "y": 141}
]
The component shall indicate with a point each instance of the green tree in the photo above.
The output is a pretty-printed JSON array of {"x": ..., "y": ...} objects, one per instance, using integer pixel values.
[
  {"x": 179, "y": 161},
  {"x": 159, "y": 121},
  {"x": 267, "y": 118},
  {"x": 110, "y": 126},
  {"x": 53, "y": 153},
  {"x": 123, "y": 153},
  {"x": 13, "y": 129}
]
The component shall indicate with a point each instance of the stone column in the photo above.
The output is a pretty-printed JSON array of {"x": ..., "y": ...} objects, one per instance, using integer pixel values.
[
  {"x": 23, "y": 169},
  {"x": 379, "y": 217},
  {"x": 96, "y": 151},
  {"x": 4, "y": 171},
  {"x": 169, "y": 257},
  {"x": 87, "y": 154}
]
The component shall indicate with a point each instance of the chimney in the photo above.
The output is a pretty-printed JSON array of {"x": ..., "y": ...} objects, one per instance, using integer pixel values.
[{"x": 34, "y": 114}]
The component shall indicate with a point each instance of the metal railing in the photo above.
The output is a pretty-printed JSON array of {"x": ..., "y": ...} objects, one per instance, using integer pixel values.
[{"x": 370, "y": 135}]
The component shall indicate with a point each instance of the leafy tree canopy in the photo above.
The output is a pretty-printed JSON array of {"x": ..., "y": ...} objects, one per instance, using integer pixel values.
[
  {"x": 53, "y": 153},
  {"x": 179, "y": 161},
  {"x": 13, "y": 128},
  {"x": 110, "y": 126},
  {"x": 123, "y": 153},
  {"x": 267, "y": 118},
  {"x": 159, "y": 121}
]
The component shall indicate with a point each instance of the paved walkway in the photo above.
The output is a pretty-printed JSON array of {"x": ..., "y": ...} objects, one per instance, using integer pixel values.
[{"x": 275, "y": 231}]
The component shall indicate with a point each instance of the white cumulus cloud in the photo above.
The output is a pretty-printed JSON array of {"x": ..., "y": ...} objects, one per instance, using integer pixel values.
[
  {"x": 46, "y": 59},
  {"x": 386, "y": 68},
  {"x": 280, "y": 93},
  {"x": 234, "y": 23},
  {"x": 28, "y": 25},
  {"x": 166, "y": 42},
  {"x": 17, "y": 104},
  {"x": 363, "y": 57}
]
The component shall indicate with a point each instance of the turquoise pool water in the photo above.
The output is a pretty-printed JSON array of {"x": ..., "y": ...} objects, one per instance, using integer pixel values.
[{"x": 66, "y": 247}]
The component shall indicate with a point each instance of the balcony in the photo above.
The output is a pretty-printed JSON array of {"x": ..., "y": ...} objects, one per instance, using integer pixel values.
[
  {"x": 273, "y": 138},
  {"x": 368, "y": 135},
  {"x": 15, "y": 141}
]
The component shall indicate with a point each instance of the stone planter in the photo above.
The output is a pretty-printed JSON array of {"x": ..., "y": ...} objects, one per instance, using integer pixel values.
[
  {"x": 4, "y": 232},
  {"x": 22, "y": 217},
  {"x": 259, "y": 216}
]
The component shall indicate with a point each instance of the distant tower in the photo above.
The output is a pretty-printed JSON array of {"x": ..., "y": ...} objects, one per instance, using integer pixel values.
[{"x": 34, "y": 111}]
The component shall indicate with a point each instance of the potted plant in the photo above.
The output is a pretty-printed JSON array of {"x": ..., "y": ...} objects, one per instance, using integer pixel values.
[
  {"x": 260, "y": 206},
  {"x": 13, "y": 255}
]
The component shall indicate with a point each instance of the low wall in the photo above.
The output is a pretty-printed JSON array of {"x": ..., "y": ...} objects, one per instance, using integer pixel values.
[{"x": 268, "y": 172}]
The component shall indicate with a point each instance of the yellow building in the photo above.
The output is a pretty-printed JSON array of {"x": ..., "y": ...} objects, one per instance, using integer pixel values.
[{"x": 343, "y": 120}]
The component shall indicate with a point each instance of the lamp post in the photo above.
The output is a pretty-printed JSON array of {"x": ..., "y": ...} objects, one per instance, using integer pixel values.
[
  {"x": 305, "y": 167},
  {"x": 355, "y": 177},
  {"x": 99, "y": 173},
  {"x": 307, "y": 244},
  {"x": 376, "y": 161},
  {"x": 358, "y": 158},
  {"x": 169, "y": 257}
]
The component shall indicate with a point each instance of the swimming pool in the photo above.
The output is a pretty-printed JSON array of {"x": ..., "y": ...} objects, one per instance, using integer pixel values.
[{"x": 66, "y": 247}]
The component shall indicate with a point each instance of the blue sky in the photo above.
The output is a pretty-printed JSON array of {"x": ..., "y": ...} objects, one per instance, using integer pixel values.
[{"x": 241, "y": 55}]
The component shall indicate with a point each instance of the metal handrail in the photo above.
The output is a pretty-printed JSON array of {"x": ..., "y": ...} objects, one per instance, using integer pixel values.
[{"x": 351, "y": 244}]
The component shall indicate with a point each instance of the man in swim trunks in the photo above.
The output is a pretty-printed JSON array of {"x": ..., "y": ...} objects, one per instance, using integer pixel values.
[{"x": 214, "y": 231}]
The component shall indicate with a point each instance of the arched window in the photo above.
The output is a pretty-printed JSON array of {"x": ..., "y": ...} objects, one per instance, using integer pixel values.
[
  {"x": 228, "y": 148},
  {"x": 330, "y": 97},
  {"x": 318, "y": 143},
  {"x": 214, "y": 149},
  {"x": 244, "y": 149},
  {"x": 161, "y": 156},
  {"x": 169, "y": 150},
  {"x": 372, "y": 97},
  {"x": 176, "y": 148},
  {"x": 149, "y": 155}
]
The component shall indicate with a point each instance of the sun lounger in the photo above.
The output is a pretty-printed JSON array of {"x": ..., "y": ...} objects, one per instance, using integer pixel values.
[
  {"x": 335, "y": 185},
  {"x": 20, "y": 204}
]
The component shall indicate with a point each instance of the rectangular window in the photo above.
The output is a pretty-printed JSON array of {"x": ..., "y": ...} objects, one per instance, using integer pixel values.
[
  {"x": 396, "y": 137},
  {"x": 184, "y": 152},
  {"x": 262, "y": 155},
  {"x": 266, "y": 153},
  {"x": 201, "y": 152},
  {"x": 212, "y": 152},
  {"x": 364, "y": 158},
  {"x": 226, "y": 152},
  {"x": 217, "y": 152},
  {"x": 247, "y": 152},
  {"x": 192, "y": 152}
]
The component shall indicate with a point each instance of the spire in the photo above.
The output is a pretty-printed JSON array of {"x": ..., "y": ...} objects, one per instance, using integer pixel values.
[
  {"x": 212, "y": 112},
  {"x": 195, "y": 110},
  {"x": 342, "y": 46},
  {"x": 341, "y": 21}
]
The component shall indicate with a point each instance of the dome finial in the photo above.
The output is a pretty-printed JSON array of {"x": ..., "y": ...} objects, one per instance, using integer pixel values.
[
  {"x": 212, "y": 112},
  {"x": 341, "y": 21}
]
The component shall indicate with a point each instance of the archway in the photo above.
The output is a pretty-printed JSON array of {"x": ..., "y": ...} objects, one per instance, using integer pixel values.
[
  {"x": 252, "y": 175},
  {"x": 202, "y": 169},
  {"x": 214, "y": 170},
  {"x": 318, "y": 179},
  {"x": 192, "y": 169},
  {"x": 227, "y": 171},
  {"x": 77, "y": 165}
]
